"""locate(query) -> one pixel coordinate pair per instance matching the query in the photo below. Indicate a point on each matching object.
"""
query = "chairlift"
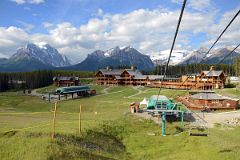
(200, 131)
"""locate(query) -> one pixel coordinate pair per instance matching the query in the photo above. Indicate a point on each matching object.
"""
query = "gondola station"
(80, 91)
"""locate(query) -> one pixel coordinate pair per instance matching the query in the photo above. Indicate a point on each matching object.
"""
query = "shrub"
(230, 85)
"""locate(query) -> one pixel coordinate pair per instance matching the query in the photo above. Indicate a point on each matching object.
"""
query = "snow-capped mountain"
(114, 57)
(222, 55)
(34, 57)
(44, 53)
(177, 57)
(195, 56)
(213, 57)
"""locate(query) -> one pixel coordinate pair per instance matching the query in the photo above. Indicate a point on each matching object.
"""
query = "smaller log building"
(209, 100)
(66, 81)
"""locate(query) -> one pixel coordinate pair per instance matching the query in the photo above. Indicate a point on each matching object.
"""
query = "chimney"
(107, 68)
(132, 67)
(211, 68)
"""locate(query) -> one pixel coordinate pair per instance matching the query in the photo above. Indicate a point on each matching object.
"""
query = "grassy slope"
(218, 145)
(221, 144)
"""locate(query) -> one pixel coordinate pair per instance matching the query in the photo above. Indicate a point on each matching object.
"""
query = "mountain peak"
(203, 49)
(30, 45)
(128, 48)
(43, 53)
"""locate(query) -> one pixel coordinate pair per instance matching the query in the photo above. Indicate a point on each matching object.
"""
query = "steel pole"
(163, 124)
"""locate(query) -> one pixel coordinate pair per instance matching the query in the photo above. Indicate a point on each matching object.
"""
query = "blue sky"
(78, 27)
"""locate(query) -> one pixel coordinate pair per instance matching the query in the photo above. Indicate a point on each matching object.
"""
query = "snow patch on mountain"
(176, 57)
(113, 51)
(108, 53)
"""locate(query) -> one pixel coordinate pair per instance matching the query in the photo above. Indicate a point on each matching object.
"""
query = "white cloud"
(98, 13)
(149, 31)
(11, 38)
(232, 34)
(198, 5)
(28, 1)
(26, 26)
(47, 25)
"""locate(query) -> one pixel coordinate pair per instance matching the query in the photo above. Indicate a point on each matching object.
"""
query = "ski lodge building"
(205, 80)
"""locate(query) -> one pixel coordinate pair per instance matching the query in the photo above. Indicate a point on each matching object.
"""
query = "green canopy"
(160, 103)
(72, 89)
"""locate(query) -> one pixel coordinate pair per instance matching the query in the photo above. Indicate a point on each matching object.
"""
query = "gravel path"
(213, 118)
(105, 90)
(34, 93)
(145, 115)
(137, 89)
(222, 117)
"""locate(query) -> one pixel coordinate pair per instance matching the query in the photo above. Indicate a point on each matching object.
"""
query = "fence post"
(49, 97)
(95, 121)
(80, 119)
(54, 120)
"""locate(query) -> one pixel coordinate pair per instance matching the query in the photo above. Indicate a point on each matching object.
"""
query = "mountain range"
(35, 57)
(126, 56)
(183, 57)
(215, 56)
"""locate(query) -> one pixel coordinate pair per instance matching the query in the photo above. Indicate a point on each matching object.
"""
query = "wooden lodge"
(123, 77)
(66, 81)
(205, 80)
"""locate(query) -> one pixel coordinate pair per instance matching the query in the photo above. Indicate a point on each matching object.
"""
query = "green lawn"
(234, 92)
(109, 131)
(45, 90)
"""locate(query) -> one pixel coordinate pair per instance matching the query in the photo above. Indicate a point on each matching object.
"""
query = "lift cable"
(173, 43)
(231, 53)
(210, 48)
(235, 16)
